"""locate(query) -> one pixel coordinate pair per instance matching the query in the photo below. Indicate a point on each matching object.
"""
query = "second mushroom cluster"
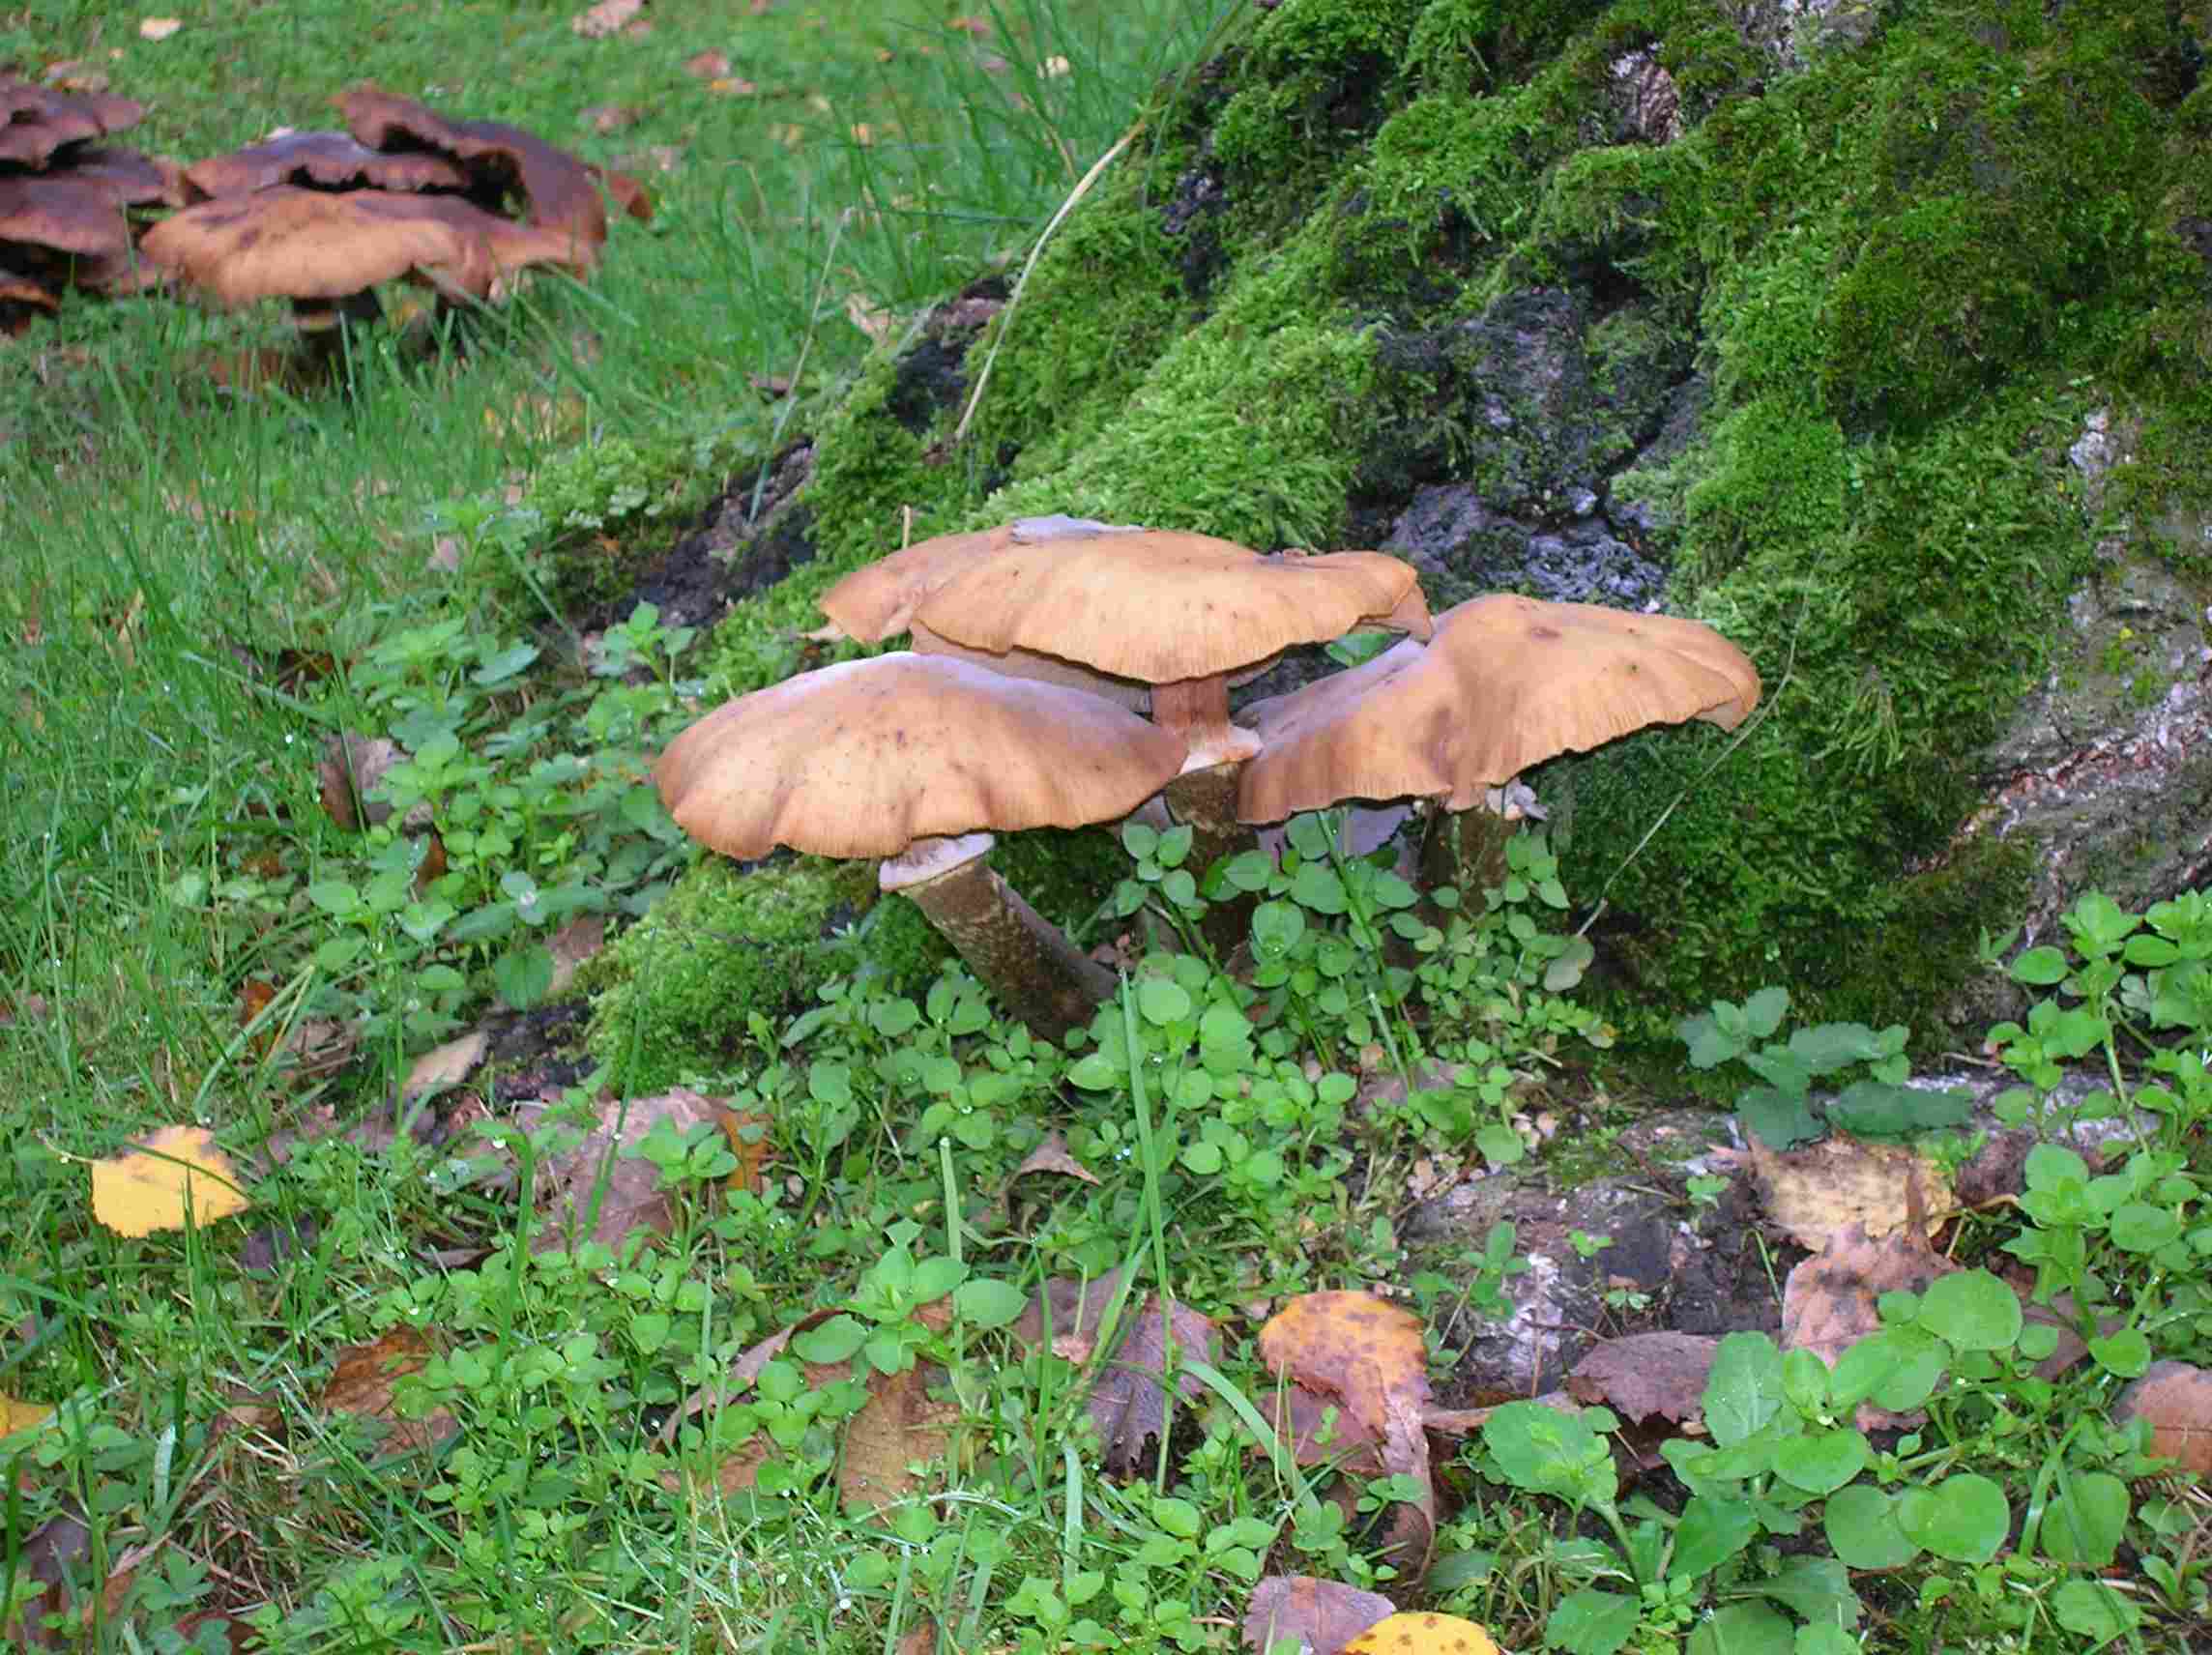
(1037, 648)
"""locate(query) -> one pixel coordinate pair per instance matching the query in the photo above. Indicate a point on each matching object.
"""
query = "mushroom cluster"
(404, 193)
(66, 196)
(1035, 645)
(320, 219)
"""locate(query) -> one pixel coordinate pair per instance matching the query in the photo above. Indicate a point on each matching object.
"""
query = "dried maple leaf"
(1646, 1374)
(166, 1176)
(1320, 1614)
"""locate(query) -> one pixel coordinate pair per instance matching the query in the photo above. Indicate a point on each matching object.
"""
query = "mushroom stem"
(1204, 801)
(1023, 958)
(1197, 708)
(1467, 848)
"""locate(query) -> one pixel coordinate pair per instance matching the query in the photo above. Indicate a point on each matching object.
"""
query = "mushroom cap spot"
(1505, 683)
(879, 599)
(1158, 605)
(288, 242)
(63, 213)
(866, 756)
(329, 159)
(560, 192)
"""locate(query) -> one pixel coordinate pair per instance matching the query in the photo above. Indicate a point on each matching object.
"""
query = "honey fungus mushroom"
(559, 192)
(1503, 683)
(918, 760)
(1181, 613)
(326, 250)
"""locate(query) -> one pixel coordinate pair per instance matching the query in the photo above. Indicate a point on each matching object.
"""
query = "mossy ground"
(1905, 267)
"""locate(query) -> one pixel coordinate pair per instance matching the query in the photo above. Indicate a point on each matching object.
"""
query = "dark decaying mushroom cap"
(1504, 683)
(863, 758)
(61, 214)
(310, 244)
(328, 160)
(36, 121)
(21, 299)
(561, 192)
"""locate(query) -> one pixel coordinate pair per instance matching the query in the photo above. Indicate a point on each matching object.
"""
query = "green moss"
(1904, 273)
(1104, 299)
(869, 471)
(1898, 614)
(1247, 426)
(675, 991)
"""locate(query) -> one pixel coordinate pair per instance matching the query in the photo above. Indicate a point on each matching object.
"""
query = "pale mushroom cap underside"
(1162, 606)
(1508, 682)
(866, 756)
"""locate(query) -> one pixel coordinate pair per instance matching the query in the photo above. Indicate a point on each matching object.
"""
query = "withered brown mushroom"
(917, 759)
(1503, 683)
(325, 251)
(559, 192)
(37, 121)
(319, 161)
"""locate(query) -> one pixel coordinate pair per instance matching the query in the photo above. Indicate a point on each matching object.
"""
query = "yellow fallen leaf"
(1422, 1635)
(158, 28)
(17, 1416)
(150, 1187)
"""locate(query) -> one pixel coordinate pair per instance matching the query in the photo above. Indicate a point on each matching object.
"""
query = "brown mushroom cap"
(330, 161)
(288, 242)
(126, 177)
(62, 214)
(560, 192)
(1161, 606)
(36, 121)
(20, 298)
(1504, 683)
(863, 758)
(880, 600)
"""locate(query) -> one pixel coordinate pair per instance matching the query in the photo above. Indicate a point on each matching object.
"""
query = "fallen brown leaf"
(1126, 1399)
(1646, 1374)
(443, 1066)
(600, 1188)
(2177, 1398)
(607, 118)
(361, 1387)
(706, 64)
(1323, 1616)
(1370, 1356)
(897, 1427)
(1052, 1156)
(1814, 1192)
(1829, 1300)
